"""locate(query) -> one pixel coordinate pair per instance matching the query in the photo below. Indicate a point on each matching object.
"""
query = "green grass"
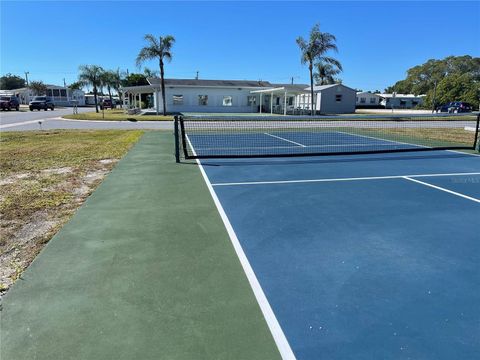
(116, 115)
(45, 176)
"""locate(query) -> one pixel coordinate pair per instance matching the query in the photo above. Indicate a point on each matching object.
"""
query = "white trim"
(281, 138)
(272, 322)
(442, 189)
(341, 179)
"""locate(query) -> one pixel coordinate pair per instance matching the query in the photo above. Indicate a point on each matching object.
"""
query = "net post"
(177, 146)
(476, 143)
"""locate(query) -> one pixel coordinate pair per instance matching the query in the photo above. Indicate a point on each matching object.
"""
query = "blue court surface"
(359, 257)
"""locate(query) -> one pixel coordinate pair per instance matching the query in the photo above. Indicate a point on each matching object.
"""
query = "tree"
(11, 82)
(315, 49)
(110, 79)
(149, 73)
(135, 80)
(158, 49)
(445, 74)
(325, 73)
(38, 88)
(77, 85)
(91, 75)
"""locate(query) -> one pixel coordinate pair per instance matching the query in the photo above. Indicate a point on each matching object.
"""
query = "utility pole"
(434, 96)
(64, 83)
(26, 77)
(196, 77)
(292, 80)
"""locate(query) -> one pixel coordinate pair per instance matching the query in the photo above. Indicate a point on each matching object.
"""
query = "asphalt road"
(29, 120)
(14, 117)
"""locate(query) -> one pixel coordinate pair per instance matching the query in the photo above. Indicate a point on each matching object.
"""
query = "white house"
(61, 96)
(240, 96)
(401, 101)
(366, 99)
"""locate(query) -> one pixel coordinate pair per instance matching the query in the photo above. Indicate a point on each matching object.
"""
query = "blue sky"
(377, 40)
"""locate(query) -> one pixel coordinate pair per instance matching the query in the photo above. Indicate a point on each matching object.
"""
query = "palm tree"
(91, 75)
(325, 74)
(110, 79)
(157, 49)
(315, 49)
(149, 72)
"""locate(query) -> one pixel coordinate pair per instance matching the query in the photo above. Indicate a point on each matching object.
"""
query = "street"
(21, 120)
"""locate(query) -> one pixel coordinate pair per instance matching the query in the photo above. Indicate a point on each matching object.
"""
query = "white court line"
(391, 141)
(340, 179)
(272, 322)
(281, 138)
(442, 189)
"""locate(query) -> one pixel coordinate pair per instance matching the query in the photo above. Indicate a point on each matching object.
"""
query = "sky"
(378, 41)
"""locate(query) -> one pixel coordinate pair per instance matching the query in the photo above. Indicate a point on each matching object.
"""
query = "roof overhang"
(278, 90)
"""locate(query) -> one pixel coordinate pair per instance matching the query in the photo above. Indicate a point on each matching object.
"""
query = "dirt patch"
(23, 238)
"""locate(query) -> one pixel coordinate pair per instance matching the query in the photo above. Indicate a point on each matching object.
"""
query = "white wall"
(369, 99)
(215, 99)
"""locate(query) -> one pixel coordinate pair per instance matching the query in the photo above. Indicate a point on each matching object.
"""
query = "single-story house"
(239, 96)
(366, 99)
(61, 96)
(401, 101)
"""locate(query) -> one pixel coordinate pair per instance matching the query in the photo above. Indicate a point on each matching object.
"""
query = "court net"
(204, 137)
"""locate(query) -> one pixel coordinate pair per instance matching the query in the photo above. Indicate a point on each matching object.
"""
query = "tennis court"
(365, 256)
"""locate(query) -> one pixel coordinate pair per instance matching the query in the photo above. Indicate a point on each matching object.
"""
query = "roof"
(318, 88)
(368, 93)
(411, 96)
(294, 87)
(154, 81)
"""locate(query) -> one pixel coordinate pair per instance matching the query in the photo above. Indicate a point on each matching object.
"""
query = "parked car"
(9, 103)
(455, 107)
(41, 102)
(105, 104)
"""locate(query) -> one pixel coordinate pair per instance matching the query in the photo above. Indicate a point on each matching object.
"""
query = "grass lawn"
(117, 115)
(44, 177)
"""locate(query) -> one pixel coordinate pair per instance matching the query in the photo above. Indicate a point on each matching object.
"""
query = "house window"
(49, 92)
(177, 99)
(362, 100)
(203, 100)
(372, 100)
(63, 92)
(227, 101)
(338, 97)
(56, 92)
(290, 100)
(252, 100)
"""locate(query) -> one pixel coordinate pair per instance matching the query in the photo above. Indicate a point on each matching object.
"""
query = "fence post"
(177, 147)
(477, 142)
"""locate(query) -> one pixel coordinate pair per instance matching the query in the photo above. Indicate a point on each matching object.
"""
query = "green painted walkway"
(144, 270)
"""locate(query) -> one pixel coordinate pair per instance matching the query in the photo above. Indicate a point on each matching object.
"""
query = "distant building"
(239, 96)
(401, 101)
(61, 96)
(366, 99)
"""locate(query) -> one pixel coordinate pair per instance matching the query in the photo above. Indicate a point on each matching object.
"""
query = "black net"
(282, 136)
